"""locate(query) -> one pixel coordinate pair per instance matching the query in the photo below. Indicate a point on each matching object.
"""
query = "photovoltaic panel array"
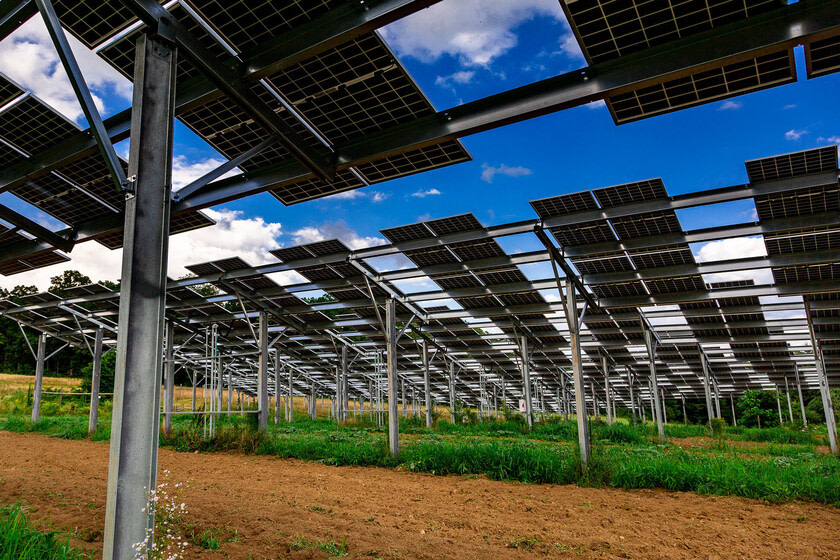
(610, 29)
(822, 57)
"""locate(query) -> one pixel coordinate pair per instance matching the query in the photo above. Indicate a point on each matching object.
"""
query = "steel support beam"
(40, 358)
(96, 374)
(732, 404)
(779, 405)
(278, 387)
(526, 381)
(707, 386)
(573, 320)
(632, 399)
(262, 374)
(650, 344)
(169, 376)
(799, 392)
(825, 391)
(290, 414)
(136, 413)
(605, 368)
(427, 385)
(452, 417)
(787, 395)
(393, 380)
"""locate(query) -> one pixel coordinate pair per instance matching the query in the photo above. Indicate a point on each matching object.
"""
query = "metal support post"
(685, 416)
(779, 405)
(632, 399)
(168, 378)
(573, 320)
(96, 375)
(262, 376)
(664, 408)
(136, 414)
(452, 391)
(427, 384)
(194, 389)
(799, 392)
(40, 358)
(526, 382)
(313, 402)
(787, 396)
(732, 404)
(605, 367)
(650, 342)
(277, 387)
(717, 399)
(391, 351)
(345, 400)
(290, 413)
(707, 388)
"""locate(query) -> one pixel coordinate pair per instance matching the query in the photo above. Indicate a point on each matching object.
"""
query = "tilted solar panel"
(32, 126)
(178, 223)
(794, 164)
(8, 90)
(629, 193)
(414, 161)
(799, 202)
(801, 241)
(294, 192)
(822, 57)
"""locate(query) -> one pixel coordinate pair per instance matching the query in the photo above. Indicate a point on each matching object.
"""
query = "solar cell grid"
(792, 165)
(90, 174)
(354, 89)
(564, 204)
(633, 288)
(432, 256)
(815, 239)
(800, 202)
(317, 273)
(656, 257)
(475, 250)
(478, 302)
(37, 260)
(808, 273)
(8, 155)
(33, 126)
(294, 192)
(410, 232)
(503, 276)
(414, 161)
(177, 224)
(614, 262)
(8, 90)
(93, 21)
(711, 85)
(522, 298)
(643, 225)
(60, 199)
(453, 282)
(288, 254)
(583, 233)
(823, 57)
(630, 193)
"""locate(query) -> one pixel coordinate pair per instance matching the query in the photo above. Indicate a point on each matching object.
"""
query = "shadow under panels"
(610, 29)
(621, 228)
(799, 203)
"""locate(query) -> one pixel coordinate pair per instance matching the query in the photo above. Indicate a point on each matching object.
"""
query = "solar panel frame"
(794, 164)
(822, 57)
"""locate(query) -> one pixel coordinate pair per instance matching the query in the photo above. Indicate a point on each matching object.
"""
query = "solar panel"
(600, 264)
(32, 126)
(676, 284)
(656, 257)
(608, 29)
(328, 247)
(801, 241)
(90, 174)
(288, 254)
(822, 57)
(8, 90)
(632, 288)
(643, 225)
(475, 250)
(31, 262)
(564, 204)
(794, 164)
(177, 224)
(414, 161)
(629, 193)
(410, 232)
(8, 155)
(800, 202)
(93, 21)
(60, 199)
(807, 273)
(295, 192)
(729, 80)
(456, 281)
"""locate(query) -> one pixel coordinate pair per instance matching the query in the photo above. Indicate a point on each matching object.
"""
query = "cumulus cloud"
(794, 134)
(184, 171)
(335, 230)
(474, 31)
(461, 77)
(830, 139)
(488, 172)
(730, 105)
(30, 59)
(735, 248)
(233, 235)
(423, 194)
(358, 194)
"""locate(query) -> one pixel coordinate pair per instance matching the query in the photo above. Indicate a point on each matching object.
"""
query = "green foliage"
(208, 540)
(20, 541)
(758, 408)
(718, 427)
(106, 374)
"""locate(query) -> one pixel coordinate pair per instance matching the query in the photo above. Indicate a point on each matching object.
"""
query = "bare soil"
(265, 502)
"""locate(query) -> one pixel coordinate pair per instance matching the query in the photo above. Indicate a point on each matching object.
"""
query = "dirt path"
(391, 514)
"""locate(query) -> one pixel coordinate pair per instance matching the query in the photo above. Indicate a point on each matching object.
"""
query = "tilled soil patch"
(260, 504)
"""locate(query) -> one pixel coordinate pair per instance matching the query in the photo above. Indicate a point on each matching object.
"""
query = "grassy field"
(19, 540)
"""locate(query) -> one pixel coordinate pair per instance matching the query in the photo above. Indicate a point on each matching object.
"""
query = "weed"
(20, 541)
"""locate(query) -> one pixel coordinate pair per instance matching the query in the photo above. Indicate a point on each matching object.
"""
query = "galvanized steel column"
(605, 367)
(799, 391)
(651, 349)
(427, 384)
(577, 368)
(95, 378)
(40, 358)
(526, 382)
(262, 378)
(707, 388)
(452, 391)
(136, 414)
(277, 387)
(393, 402)
(290, 416)
(168, 378)
(787, 395)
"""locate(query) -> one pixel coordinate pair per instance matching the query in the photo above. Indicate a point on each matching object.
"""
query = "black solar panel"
(475, 250)
(294, 192)
(328, 247)
(823, 57)
(31, 262)
(800, 202)
(93, 21)
(410, 232)
(677, 284)
(90, 174)
(630, 193)
(655, 257)
(794, 164)
(801, 241)
(600, 264)
(807, 273)
(564, 204)
(501, 276)
(642, 225)
(177, 224)
(288, 254)
(584, 233)
(33, 126)
(414, 161)
(8, 90)
(727, 81)
(8, 155)
(456, 281)
(633, 288)
(609, 29)
(60, 199)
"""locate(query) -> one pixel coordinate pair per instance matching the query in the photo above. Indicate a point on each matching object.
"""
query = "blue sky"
(458, 52)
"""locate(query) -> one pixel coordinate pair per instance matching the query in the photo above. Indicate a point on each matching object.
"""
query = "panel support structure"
(277, 387)
(393, 382)
(732, 404)
(632, 398)
(136, 414)
(650, 343)
(427, 385)
(40, 358)
(605, 367)
(95, 377)
(526, 382)
(452, 391)
(168, 378)
(799, 392)
(573, 320)
(706, 387)
(290, 413)
(787, 395)
(262, 376)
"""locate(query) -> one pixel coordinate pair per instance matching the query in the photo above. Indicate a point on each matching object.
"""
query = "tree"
(106, 374)
(758, 408)
(68, 279)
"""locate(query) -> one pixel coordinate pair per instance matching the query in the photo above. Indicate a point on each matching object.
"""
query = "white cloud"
(473, 31)
(599, 104)
(358, 194)
(735, 248)
(789, 107)
(335, 230)
(830, 139)
(423, 194)
(233, 235)
(461, 77)
(794, 134)
(29, 57)
(569, 45)
(730, 105)
(488, 172)
(185, 172)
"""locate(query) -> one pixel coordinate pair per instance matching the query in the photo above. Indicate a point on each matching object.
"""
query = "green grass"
(624, 455)
(20, 541)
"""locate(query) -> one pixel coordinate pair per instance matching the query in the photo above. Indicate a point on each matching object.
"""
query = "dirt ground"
(264, 503)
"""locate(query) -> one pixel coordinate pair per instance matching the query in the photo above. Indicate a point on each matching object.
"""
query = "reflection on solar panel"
(178, 223)
(792, 165)
(8, 90)
(608, 29)
(729, 80)
(32, 126)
